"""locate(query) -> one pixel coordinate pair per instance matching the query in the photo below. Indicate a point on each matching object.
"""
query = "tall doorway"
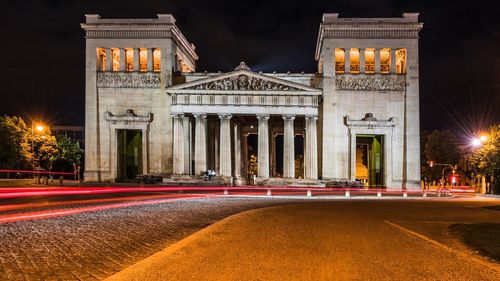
(370, 160)
(129, 154)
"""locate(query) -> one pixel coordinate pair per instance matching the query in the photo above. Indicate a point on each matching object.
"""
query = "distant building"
(73, 132)
(149, 112)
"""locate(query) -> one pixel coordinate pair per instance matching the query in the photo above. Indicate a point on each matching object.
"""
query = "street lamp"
(39, 128)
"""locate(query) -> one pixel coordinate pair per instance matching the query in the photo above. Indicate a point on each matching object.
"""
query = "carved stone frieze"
(367, 82)
(128, 80)
(128, 117)
(243, 82)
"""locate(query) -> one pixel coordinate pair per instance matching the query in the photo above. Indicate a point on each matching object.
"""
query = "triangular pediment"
(242, 80)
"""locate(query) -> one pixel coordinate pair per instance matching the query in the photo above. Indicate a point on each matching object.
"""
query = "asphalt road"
(347, 240)
(92, 237)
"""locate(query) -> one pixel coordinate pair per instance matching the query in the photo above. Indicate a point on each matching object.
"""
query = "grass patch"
(482, 237)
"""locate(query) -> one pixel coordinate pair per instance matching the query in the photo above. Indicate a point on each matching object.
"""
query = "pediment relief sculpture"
(243, 82)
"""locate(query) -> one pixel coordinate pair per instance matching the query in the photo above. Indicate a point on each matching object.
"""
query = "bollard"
(45, 180)
(226, 192)
(269, 192)
(424, 194)
(309, 193)
(37, 179)
(80, 182)
(61, 181)
(405, 194)
(379, 194)
(347, 193)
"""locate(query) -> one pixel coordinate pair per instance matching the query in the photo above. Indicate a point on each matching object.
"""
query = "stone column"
(137, 66)
(288, 147)
(377, 60)
(150, 59)
(200, 153)
(263, 148)
(347, 60)
(123, 65)
(272, 149)
(225, 145)
(361, 60)
(244, 155)
(237, 151)
(109, 60)
(392, 69)
(187, 144)
(311, 161)
(178, 165)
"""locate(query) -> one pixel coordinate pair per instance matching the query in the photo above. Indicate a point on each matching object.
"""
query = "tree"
(439, 147)
(69, 151)
(15, 149)
(486, 159)
(45, 149)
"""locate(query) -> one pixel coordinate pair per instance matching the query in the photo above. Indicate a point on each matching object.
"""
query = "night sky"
(42, 49)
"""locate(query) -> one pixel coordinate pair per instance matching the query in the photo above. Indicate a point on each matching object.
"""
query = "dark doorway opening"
(370, 160)
(129, 154)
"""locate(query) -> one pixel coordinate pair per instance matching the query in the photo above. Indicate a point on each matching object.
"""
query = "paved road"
(347, 240)
(93, 245)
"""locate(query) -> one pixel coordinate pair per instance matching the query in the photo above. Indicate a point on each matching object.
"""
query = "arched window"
(339, 60)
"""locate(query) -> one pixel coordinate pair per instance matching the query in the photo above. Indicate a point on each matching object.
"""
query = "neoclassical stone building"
(149, 112)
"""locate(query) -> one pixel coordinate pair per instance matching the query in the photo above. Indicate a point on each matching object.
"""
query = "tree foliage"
(15, 150)
(22, 146)
(440, 147)
(486, 159)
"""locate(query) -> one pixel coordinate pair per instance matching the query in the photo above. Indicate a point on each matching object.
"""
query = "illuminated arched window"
(370, 60)
(101, 59)
(385, 60)
(129, 59)
(115, 55)
(354, 60)
(339, 60)
(401, 61)
(156, 60)
(143, 59)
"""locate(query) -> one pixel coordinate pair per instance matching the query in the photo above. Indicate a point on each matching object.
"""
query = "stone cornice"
(407, 27)
(128, 117)
(370, 122)
(162, 28)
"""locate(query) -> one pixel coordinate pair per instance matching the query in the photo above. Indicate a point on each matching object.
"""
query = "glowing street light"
(40, 128)
(476, 142)
(483, 138)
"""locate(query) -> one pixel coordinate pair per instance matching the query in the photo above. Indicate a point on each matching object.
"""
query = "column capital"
(311, 117)
(264, 117)
(289, 117)
(225, 116)
(177, 115)
(200, 115)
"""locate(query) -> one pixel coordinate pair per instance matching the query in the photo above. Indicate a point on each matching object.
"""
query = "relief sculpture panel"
(128, 80)
(243, 82)
(374, 82)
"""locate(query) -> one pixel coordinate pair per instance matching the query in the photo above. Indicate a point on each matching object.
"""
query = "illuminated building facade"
(357, 118)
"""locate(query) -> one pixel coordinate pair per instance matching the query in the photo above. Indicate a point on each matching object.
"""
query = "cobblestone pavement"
(94, 245)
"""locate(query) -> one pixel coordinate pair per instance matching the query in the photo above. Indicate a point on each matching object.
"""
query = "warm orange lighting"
(370, 60)
(40, 128)
(115, 55)
(339, 60)
(129, 59)
(101, 59)
(143, 59)
(385, 60)
(483, 138)
(156, 60)
(401, 61)
(354, 60)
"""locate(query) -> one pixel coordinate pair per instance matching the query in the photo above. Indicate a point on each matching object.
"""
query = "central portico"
(213, 117)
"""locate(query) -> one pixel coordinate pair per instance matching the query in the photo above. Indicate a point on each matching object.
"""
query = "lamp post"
(40, 128)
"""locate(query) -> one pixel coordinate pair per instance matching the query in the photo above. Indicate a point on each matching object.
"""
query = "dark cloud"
(42, 65)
